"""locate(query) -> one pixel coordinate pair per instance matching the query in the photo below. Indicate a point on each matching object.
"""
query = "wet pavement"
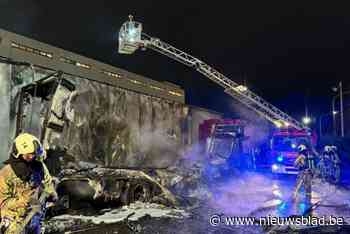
(254, 192)
(262, 195)
(250, 194)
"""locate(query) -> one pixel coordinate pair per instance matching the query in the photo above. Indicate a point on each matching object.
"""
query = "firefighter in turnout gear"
(22, 180)
(305, 163)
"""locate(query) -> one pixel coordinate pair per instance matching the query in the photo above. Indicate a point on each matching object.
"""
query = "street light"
(306, 120)
(335, 89)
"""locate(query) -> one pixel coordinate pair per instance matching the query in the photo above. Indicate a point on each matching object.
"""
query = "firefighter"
(330, 164)
(23, 178)
(305, 164)
(334, 154)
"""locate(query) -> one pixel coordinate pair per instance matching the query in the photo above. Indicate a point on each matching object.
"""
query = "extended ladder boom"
(129, 42)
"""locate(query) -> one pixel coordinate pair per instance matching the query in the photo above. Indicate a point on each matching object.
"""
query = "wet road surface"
(250, 194)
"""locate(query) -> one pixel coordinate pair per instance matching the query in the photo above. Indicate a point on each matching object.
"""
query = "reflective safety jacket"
(19, 182)
(305, 161)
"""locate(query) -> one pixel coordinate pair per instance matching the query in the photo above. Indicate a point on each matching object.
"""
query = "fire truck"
(283, 148)
(132, 38)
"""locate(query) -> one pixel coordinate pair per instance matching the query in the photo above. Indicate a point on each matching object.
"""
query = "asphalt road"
(247, 195)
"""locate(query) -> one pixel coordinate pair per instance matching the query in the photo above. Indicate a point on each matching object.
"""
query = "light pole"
(323, 115)
(341, 108)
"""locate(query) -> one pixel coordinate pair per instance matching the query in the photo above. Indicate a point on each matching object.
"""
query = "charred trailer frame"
(47, 59)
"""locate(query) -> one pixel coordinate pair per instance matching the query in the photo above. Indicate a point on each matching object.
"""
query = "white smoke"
(160, 146)
(156, 135)
(245, 194)
(198, 116)
(257, 129)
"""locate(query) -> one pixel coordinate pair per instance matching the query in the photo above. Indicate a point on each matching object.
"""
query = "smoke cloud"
(257, 129)
(161, 148)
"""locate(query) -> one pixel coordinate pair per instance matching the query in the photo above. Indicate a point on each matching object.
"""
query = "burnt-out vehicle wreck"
(104, 129)
(80, 184)
(113, 139)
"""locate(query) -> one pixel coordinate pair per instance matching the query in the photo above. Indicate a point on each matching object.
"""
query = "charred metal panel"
(103, 124)
(5, 79)
(110, 126)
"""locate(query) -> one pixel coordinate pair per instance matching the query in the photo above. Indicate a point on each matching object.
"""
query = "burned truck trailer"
(224, 140)
(91, 117)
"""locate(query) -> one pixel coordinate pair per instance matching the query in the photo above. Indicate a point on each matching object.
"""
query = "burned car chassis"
(105, 187)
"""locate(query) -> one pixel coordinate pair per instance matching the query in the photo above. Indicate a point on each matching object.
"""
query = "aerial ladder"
(132, 38)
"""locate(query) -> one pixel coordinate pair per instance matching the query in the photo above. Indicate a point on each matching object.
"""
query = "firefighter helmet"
(27, 144)
(334, 148)
(327, 148)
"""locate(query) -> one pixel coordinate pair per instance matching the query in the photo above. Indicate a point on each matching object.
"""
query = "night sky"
(287, 52)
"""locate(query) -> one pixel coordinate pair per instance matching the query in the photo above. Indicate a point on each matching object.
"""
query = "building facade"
(119, 118)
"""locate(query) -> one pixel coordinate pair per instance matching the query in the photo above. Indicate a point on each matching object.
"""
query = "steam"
(198, 116)
(257, 129)
(159, 147)
(204, 115)
(195, 153)
(244, 194)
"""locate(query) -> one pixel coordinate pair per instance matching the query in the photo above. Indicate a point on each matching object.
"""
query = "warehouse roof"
(20, 48)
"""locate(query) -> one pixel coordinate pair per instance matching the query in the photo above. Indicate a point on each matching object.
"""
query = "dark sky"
(284, 49)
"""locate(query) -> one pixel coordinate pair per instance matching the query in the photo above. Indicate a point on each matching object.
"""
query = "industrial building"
(148, 104)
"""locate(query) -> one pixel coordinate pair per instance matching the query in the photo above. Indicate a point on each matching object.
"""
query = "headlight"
(274, 167)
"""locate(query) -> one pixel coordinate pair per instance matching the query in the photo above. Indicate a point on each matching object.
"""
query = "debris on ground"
(138, 210)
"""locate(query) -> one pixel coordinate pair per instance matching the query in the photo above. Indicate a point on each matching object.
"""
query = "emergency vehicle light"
(280, 158)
